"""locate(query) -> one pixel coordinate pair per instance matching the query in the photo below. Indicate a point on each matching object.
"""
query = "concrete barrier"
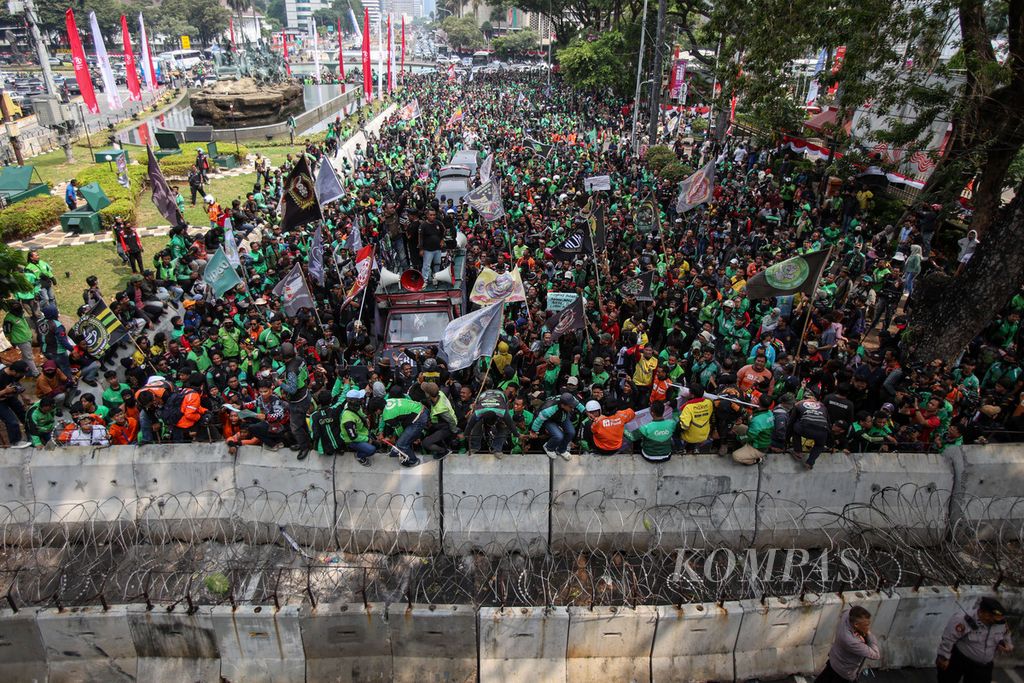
(174, 645)
(799, 508)
(88, 644)
(777, 634)
(185, 493)
(22, 654)
(907, 494)
(523, 643)
(600, 502)
(277, 492)
(387, 508)
(991, 504)
(497, 506)
(695, 642)
(17, 499)
(259, 644)
(700, 502)
(435, 643)
(610, 643)
(346, 644)
(913, 638)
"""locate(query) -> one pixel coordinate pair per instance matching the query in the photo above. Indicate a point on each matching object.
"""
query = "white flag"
(328, 186)
(230, 245)
(147, 70)
(315, 39)
(485, 168)
(473, 335)
(109, 84)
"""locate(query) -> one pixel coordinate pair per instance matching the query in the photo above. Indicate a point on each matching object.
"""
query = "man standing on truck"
(431, 236)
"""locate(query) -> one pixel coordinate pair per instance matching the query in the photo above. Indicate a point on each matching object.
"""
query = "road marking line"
(1013, 676)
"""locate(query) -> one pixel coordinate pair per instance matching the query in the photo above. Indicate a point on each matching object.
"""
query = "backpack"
(170, 411)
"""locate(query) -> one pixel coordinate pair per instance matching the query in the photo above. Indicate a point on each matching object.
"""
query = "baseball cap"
(356, 394)
(572, 381)
(568, 399)
(592, 406)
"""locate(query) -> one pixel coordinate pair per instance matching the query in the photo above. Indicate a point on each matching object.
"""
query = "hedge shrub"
(178, 165)
(675, 172)
(122, 199)
(26, 218)
(658, 157)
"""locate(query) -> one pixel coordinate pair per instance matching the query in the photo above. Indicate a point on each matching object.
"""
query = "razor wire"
(259, 546)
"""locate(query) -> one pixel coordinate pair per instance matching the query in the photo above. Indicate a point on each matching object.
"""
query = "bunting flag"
(697, 189)
(328, 185)
(163, 198)
(148, 73)
(486, 199)
(367, 76)
(577, 243)
(812, 90)
(219, 274)
(364, 265)
(491, 287)
(410, 111)
(455, 117)
(103, 61)
(299, 200)
(230, 245)
(569, 319)
(134, 91)
(638, 287)
(94, 329)
(485, 168)
(797, 274)
(293, 291)
(316, 257)
(81, 66)
(471, 336)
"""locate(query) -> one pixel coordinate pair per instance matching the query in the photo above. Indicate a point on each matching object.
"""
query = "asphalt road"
(913, 676)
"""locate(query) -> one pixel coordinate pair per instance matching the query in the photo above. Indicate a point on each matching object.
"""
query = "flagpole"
(308, 289)
(810, 308)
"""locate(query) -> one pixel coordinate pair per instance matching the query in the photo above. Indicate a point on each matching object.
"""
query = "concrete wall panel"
(777, 635)
(695, 642)
(496, 505)
(22, 654)
(701, 502)
(175, 645)
(346, 644)
(907, 492)
(992, 497)
(88, 645)
(917, 626)
(523, 643)
(262, 646)
(610, 644)
(436, 643)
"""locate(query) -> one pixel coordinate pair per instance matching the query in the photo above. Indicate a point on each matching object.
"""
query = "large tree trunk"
(950, 311)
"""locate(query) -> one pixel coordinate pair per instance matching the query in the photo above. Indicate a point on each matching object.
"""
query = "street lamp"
(109, 159)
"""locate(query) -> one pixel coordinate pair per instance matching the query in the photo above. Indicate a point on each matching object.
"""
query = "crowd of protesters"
(700, 368)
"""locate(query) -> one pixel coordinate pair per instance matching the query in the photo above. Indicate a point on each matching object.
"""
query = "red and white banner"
(148, 72)
(819, 152)
(391, 56)
(364, 265)
(134, 91)
(367, 76)
(837, 64)
(341, 56)
(284, 48)
(81, 67)
(231, 30)
(403, 44)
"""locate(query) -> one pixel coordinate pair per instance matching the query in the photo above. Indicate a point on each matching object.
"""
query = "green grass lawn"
(99, 259)
(223, 189)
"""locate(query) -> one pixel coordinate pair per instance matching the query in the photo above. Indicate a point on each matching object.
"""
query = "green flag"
(797, 274)
(219, 274)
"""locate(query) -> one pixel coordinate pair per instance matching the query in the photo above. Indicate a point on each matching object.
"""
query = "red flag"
(81, 68)
(403, 45)
(134, 91)
(284, 41)
(341, 56)
(367, 79)
(389, 53)
(364, 264)
(231, 30)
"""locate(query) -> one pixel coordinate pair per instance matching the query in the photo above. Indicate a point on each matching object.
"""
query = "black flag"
(299, 204)
(163, 198)
(576, 244)
(638, 287)
(797, 274)
(597, 226)
(569, 319)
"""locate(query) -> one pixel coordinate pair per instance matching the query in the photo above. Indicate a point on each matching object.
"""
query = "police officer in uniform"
(490, 413)
(970, 643)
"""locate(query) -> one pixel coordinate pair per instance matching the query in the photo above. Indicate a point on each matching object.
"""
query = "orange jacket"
(122, 436)
(191, 409)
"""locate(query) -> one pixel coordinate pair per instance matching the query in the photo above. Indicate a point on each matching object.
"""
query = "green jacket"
(353, 427)
(759, 433)
(16, 329)
(655, 438)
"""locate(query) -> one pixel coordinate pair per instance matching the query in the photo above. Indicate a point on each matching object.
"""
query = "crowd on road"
(691, 364)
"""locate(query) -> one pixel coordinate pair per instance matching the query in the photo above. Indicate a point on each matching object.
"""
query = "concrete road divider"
(88, 644)
(610, 643)
(174, 645)
(435, 643)
(903, 493)
(387, 508)
(777, 634)
(259, 644)
(523, 643)
(695, 642)
(702, 503)
(22, 654)
(917, 626)
(496, 506)
(346, 644)
(990, 505)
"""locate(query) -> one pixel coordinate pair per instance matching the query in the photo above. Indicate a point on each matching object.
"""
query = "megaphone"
(412, 280)
(388, 277)
(461, 240)
(443, 277)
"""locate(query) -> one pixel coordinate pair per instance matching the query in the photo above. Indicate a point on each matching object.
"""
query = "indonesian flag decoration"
(451, 73)
(697, 189)
(364, 265)
(391, 57)
(341, 56)
(148, 72)
(81, 67)
(134, 91)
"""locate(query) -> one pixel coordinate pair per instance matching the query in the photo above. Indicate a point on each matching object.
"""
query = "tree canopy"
(463, 33)
(517, 43)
